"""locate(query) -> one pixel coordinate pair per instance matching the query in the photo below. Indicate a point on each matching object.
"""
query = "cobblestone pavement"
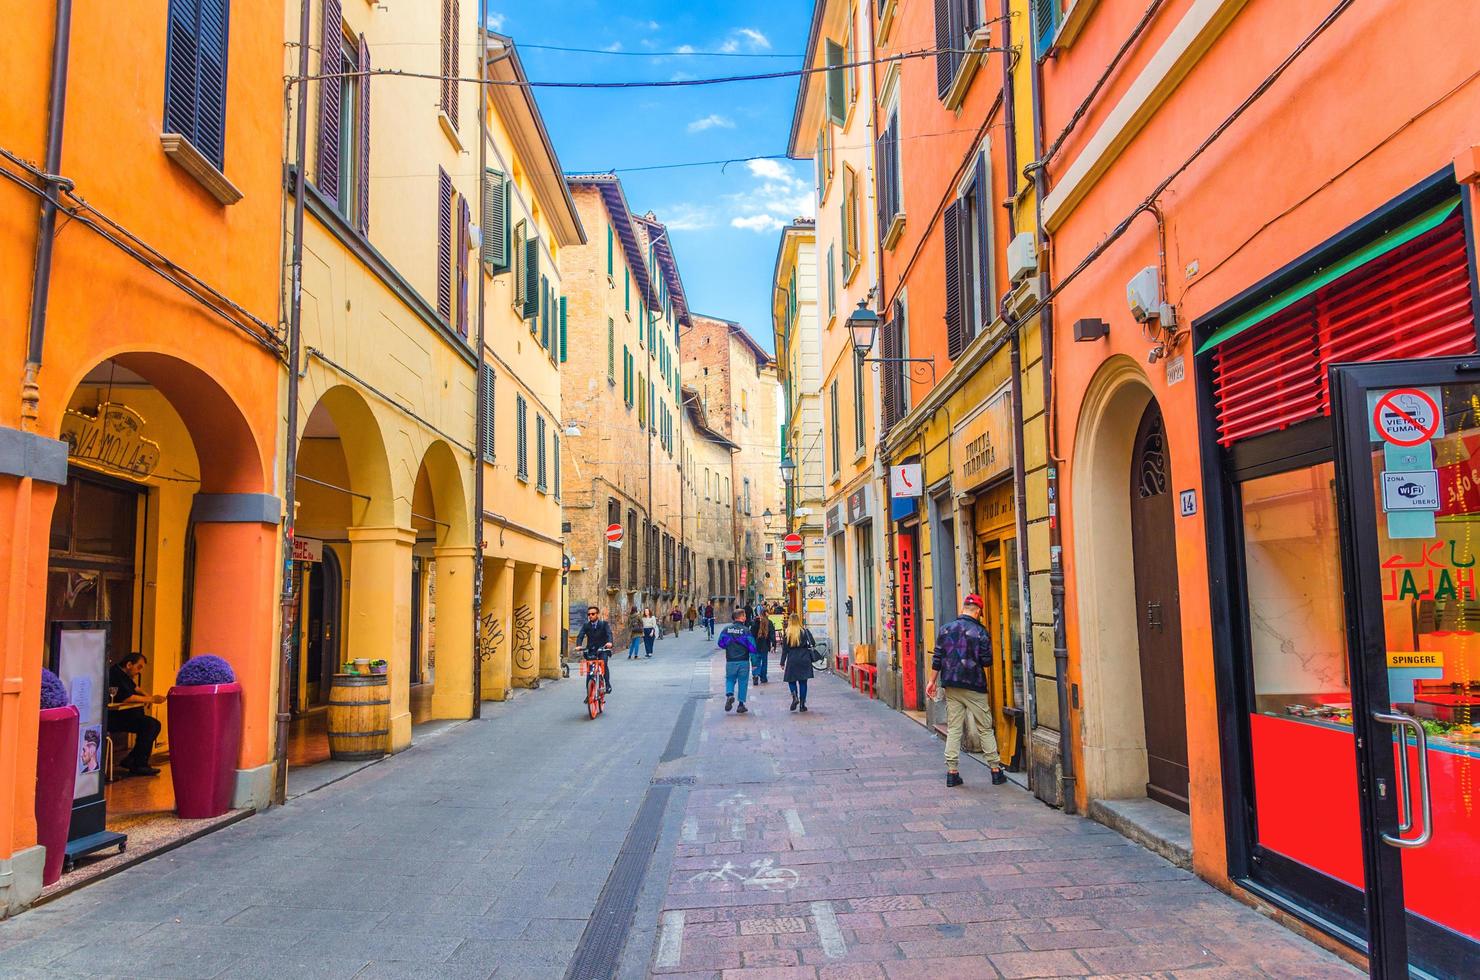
(669, 838)
(827, 846)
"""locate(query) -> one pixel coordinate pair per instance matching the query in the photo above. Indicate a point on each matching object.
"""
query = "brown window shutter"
(951, 228)
(331, 63)
(444, 246)
(945, 62)
(365, 137)
(464, 219)
(449, 59)
(888, 378)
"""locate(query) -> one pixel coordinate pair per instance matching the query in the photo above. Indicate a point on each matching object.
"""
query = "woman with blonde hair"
(797, 647)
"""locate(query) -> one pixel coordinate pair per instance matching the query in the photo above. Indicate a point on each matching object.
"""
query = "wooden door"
(1158, 614)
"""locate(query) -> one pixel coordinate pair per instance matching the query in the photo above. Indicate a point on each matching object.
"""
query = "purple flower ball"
(53, 691)
(204, 670)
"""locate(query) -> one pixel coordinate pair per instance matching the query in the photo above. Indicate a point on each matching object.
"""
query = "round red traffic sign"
(1406, 417)
(614, 534)
(792, 543)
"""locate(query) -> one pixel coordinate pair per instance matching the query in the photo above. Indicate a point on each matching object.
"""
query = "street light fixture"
(788, 469)
(768, 518)
(863, 327)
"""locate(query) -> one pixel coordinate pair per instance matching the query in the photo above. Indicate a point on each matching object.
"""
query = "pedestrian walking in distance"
(676, 617)
(649, 630)
(634, 626)
(709, 618)
(693, 615)
(797, 648)
(963, 653)
(765, 637)
(739, 647)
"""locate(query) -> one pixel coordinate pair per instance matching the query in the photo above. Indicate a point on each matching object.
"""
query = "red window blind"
(1411, 302)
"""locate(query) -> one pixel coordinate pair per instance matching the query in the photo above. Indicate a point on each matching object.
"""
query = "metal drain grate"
(600, 948)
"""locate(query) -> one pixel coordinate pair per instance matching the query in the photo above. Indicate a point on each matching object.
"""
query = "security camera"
(1157, 353)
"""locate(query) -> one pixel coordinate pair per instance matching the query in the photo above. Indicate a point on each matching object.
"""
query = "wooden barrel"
(359, 716)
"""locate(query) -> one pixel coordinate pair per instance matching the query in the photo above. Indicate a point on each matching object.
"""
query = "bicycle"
(593, 665)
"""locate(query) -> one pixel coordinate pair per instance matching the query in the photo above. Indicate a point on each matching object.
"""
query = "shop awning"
(1396, 238)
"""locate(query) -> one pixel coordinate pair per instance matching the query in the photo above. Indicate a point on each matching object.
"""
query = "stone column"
(497, 629)
(452, 696)
(551, 621)
(380, 613)
(525, 638)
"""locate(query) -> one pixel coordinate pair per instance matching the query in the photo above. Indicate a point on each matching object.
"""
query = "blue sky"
(724, 223)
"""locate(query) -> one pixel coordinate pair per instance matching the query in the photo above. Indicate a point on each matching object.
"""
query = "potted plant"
(56, 772)
(377, 667)
(205, 715)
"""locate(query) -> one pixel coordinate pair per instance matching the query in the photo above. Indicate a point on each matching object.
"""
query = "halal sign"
(1406, 417)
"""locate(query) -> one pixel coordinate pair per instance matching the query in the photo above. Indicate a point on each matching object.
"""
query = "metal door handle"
(1405, 824)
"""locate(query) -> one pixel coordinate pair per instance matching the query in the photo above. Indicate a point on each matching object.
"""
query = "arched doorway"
(1158, 613)
(439, 653)
(164, 541)
(1121, 549)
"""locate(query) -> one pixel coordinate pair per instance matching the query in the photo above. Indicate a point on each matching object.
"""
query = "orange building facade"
(139, 424)
(1261, 553)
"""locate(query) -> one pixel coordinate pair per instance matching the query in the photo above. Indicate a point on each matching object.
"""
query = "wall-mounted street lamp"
(768, 518)
(863, 326)
(788, 469)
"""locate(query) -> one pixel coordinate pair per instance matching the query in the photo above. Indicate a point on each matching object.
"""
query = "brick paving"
(826, 846)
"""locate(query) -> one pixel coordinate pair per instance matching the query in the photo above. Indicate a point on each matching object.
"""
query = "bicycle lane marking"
(833, 944)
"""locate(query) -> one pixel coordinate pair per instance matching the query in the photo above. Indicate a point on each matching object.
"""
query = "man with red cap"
(963, 653)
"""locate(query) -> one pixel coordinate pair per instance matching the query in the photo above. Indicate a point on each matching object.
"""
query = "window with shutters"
(487, 396)
(344, 122)
(825, 160)
(611, 352)
(852, 223)
(627, 292)
(532, 280)
(955, 22)
(858, 413)
(444, 246)
(642, 392)
(833, 424)
(450, 63)
(516, 257)
(610, 253)
(544, 321)
(495, 222)
(521, 438)
(555, 450)
(613, 556)
(540, 483)
(968, 231)
(850, 50)
(633, 546)
(837, 84)
(563, 351)
(1047, 16)
(464, 245)
(832, 286)
(195, 75)
(892, 384)
(890, 189)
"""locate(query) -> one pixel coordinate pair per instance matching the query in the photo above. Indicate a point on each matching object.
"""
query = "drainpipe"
(290, 457)
(1055, 534)
(47, 225)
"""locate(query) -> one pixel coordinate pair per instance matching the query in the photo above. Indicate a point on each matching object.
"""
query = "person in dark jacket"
(765, 637)
(126, 675)
(797, 646)
(739, 646)
(596, 637)
(963, 652)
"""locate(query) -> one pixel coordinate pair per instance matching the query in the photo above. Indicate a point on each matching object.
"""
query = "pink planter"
(56, 776)
(205, 738)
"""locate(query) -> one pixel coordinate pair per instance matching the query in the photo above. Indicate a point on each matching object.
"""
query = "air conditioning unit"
(1143, 294)
(475, 237)
(1023, 299)
(1022, 257)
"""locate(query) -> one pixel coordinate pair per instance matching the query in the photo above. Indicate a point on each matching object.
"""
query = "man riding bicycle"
(595, 642)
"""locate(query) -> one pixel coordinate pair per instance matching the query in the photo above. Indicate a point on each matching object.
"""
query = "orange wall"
(934, 142)
(105, 303)
(1328, 144)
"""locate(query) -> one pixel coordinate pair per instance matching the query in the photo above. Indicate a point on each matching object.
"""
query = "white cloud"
(614, 46)
(496, 21)
(687, 217)
(758, 223)
(768, 169)
(711, 121)
(730, 46)
(755, 37)
(685, 49)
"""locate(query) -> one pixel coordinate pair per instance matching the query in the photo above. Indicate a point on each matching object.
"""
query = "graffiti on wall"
(490, 636)
(524, 638)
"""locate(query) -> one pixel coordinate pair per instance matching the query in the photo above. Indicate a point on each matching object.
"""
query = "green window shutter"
(531, 278)
(495, 220)
(611, 349)
(832, 284)
(486, 390)
(610, 252)
(837, 87)
(627, 290)
(562, 330)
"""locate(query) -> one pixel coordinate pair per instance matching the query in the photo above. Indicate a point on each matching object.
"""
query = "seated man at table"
(125, 676)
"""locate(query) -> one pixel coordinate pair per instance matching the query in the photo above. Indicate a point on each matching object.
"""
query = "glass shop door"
(1408, 490)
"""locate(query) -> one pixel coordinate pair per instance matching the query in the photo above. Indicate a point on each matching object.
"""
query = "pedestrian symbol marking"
(1407, 417)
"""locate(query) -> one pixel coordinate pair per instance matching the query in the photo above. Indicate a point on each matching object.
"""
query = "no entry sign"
(614, 535)
(793, 544)
(1407, 417)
